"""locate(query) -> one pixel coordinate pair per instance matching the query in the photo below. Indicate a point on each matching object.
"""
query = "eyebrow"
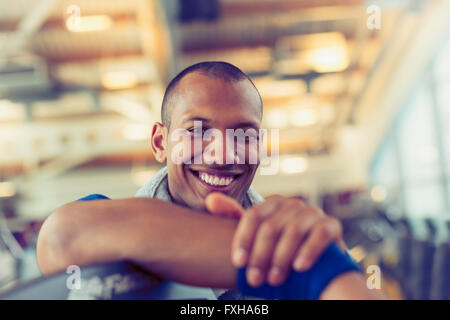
(244, 124)
(197, 119)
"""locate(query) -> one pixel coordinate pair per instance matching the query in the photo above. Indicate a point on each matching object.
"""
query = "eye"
(247, 135)
(197, 130)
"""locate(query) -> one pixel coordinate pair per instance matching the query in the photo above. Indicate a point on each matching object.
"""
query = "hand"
(276, 235)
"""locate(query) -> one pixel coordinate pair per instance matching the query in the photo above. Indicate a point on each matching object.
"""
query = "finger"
(274, 197)
(219, 204)
(266, 240)
(323, 233)
(246, 230)
(341, 244)
(288, 245)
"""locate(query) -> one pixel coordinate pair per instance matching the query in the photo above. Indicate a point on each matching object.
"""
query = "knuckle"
(293, 229)
(282, 261)
(326, 230)
(242, 240)
(257, 263)
(269, 229)
(298, 227)
(282, 269)
(335, 221)
(275, 197)
(278, 261)
(292, 226)
(294, 203)
(307, 254)
(314, 212)
(254, 214)
(259, 260)
(336, 225)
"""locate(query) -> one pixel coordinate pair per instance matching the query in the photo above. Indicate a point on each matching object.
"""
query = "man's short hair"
(215, 69)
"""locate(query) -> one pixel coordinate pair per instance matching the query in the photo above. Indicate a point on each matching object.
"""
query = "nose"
(221, 150)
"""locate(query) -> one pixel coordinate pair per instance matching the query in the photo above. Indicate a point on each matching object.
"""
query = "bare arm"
(172, 242)
(350, 286)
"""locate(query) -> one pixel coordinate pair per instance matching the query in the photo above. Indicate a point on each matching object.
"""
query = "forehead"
(198, 95)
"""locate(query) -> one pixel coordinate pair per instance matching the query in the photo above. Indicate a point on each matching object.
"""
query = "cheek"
(176, 175)
(248, 151)
(253, 154)
(179, 151)
(197, 146)
(187, 150)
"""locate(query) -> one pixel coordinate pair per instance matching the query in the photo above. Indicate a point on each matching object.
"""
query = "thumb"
(221, 205)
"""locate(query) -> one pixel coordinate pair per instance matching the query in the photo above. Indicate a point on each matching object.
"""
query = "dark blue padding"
(119, 280)
(306, 285)
(94, 196)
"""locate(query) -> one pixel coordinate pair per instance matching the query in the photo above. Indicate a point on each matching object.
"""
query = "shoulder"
(253, 197)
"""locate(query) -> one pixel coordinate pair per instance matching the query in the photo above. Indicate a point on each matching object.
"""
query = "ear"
(159, 142)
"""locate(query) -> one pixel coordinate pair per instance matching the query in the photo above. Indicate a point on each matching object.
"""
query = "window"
(424, 199)
(415, 157)
(418, 150)
(443, 106)
(385, 170)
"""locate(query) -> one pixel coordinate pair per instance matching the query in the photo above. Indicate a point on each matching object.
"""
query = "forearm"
(170, 241)
(350, 286)
(185, 246)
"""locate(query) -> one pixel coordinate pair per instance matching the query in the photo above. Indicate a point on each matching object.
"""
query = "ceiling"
(83, 80)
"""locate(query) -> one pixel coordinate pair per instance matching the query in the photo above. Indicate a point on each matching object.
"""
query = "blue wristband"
(94, 196)
(307, 285)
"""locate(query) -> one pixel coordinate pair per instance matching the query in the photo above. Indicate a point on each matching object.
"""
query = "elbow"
(53, 248)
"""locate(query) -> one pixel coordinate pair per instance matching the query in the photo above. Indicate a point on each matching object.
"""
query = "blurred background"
(360, 91)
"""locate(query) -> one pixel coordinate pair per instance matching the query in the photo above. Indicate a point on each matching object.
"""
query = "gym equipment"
(112, 281)
(404, 250)
(422, 255)
(440, 287)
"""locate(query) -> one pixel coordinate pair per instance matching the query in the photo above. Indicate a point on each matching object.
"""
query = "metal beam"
(29, 25)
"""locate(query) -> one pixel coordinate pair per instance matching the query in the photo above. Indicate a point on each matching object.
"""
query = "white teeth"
(215, 180)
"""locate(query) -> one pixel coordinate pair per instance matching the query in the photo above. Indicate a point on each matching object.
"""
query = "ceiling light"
(319, 52)
(291, 165)
(327, 114)
(329, 84)
(273, 89)
(303, 117)
(136, 132)
(7, 189)
(128, 106)
(378, 193)
(12, 111)
(114, 80)
(88, 23)
(328, 59)
(277, 118)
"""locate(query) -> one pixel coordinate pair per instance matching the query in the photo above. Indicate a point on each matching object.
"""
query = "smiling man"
(185, 222)
(207, 96)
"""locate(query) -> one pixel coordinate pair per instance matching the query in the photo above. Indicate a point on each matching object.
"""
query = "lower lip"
(212, 188)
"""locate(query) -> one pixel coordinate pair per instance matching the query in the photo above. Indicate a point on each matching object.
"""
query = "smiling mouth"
(216, 180)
